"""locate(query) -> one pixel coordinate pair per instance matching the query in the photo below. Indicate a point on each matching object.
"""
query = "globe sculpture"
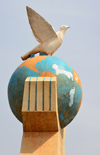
(68, 85)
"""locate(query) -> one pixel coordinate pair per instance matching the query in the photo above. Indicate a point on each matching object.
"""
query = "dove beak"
(68, 27)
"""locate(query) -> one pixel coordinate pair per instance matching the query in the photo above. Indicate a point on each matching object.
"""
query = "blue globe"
(68, 85)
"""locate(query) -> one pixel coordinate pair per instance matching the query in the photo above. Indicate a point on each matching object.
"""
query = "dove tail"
(34, 50)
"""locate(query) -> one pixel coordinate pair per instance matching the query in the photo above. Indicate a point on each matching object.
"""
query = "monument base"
(43, 143)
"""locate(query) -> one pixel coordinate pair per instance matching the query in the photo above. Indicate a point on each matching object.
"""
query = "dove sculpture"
(44, 33)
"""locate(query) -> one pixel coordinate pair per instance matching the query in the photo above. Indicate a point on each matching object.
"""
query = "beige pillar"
(42, 134)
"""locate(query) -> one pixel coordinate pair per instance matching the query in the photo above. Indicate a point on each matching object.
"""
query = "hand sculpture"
(44, 33)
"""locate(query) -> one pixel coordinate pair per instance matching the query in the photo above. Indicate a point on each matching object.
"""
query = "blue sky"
(80, 48)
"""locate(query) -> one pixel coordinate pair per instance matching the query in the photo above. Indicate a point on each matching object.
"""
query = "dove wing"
(42, 30)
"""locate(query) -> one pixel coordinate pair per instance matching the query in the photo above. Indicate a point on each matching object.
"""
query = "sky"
(80, 48)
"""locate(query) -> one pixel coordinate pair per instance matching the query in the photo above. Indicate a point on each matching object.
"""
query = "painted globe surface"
(68, 85)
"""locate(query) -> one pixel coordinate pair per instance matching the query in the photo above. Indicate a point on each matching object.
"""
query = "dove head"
(63, 28)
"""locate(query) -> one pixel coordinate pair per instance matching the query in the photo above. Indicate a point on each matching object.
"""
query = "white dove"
(44, 33)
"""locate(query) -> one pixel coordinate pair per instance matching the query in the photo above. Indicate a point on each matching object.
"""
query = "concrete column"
(42, 134)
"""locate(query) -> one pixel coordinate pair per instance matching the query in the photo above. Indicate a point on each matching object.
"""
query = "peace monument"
(44, 92)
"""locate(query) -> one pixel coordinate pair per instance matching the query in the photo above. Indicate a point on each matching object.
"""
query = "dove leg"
(50, 54)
